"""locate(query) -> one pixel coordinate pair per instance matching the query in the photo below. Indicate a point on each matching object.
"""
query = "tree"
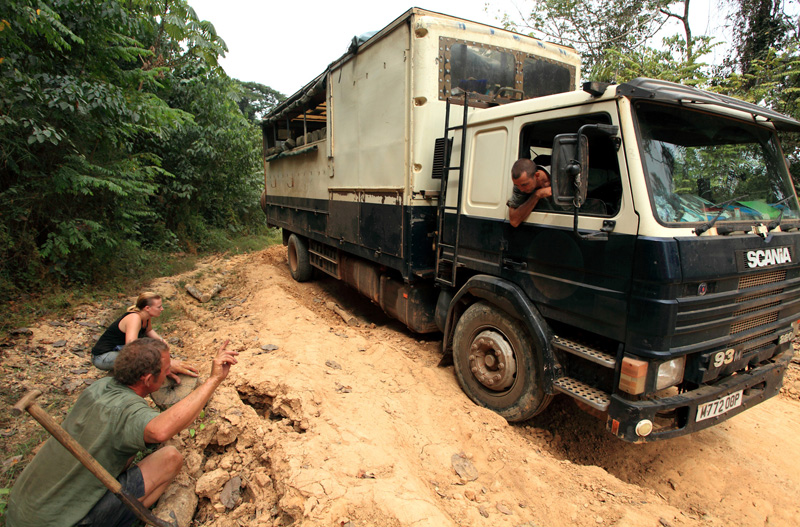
(766, 68)
(91, 93)
(71, 180)
(213, 161)
(759, 25)
(614, 37)
(593, 27)
(257, 100)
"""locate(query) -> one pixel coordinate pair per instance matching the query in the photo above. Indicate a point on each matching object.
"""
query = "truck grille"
(770, 277)
(753, 309)
(756, 280)
(744, 308)
(754, 322)
(750, 339)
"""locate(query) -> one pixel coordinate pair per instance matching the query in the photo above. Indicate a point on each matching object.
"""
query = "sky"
(285, 44)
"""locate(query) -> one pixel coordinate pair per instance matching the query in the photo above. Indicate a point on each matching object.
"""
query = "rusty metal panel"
(382, 228)
(343, 218)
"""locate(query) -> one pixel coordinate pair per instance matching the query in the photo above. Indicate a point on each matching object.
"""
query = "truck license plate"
(719, 406)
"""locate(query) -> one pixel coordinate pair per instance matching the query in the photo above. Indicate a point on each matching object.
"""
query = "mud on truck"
(659, 287)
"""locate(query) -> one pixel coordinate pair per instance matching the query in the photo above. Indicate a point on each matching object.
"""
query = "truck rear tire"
(299, 264)
(496, 364)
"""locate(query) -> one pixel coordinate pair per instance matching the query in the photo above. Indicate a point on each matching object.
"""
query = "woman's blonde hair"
(143, 301)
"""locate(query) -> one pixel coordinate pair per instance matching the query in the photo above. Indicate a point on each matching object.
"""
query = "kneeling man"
(113, 422)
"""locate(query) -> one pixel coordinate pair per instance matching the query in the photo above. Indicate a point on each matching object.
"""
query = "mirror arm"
(596, 236)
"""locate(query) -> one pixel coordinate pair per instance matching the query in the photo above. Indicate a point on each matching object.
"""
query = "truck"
(659, 286)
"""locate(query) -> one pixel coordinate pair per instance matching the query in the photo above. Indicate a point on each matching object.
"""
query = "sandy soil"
(326, 424)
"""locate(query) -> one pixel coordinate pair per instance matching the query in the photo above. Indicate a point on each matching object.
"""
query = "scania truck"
(659, 286)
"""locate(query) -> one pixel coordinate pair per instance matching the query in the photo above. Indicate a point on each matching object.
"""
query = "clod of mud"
(203, 297)
(464, 467)
(231, 493)
(276, 402)
(180, 499)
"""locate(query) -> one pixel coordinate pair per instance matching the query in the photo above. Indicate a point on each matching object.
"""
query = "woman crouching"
(134, 324)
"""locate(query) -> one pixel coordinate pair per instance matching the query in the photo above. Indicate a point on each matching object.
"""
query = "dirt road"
(327, 424)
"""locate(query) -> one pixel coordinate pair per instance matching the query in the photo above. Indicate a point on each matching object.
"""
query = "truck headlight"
(670, 373)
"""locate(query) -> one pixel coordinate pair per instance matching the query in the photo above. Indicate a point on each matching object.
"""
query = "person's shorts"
(106, 361)
(110, 511)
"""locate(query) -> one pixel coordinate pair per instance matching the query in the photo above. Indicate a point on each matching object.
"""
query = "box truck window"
(543, 77)
(481, 70)
(498, 75)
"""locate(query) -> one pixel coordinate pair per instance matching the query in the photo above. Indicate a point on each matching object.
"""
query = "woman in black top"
(135, 323)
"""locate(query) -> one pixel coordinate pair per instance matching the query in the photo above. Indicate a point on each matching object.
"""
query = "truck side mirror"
(569, 169)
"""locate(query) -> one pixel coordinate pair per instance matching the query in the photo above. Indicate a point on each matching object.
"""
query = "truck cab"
(662, 294)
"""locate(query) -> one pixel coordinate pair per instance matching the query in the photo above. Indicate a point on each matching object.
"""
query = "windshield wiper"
(703, 228)
(777, 223)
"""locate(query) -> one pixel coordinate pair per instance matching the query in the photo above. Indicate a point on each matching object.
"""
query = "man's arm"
(183, 413)
(518, 215)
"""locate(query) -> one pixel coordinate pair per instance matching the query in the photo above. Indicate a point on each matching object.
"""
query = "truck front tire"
(299, 264)
(496, 364)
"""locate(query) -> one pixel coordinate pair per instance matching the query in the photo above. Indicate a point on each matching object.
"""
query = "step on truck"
(659, 286)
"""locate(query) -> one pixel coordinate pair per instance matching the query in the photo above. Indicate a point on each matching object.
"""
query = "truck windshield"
(699, 165)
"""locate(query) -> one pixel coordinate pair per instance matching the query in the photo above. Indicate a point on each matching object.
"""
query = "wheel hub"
(491, 360)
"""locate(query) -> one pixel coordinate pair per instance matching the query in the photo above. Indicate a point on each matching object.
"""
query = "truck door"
(584, 283)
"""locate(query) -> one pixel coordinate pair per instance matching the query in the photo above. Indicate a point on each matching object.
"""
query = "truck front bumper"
(677, 415)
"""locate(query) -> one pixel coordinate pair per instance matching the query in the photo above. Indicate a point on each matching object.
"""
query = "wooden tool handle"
(25, 402)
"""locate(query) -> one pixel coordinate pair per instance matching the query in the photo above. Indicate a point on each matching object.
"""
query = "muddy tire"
(299, 264)
(496, 364)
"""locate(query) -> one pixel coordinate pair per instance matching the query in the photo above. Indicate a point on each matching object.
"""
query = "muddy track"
(324, 423)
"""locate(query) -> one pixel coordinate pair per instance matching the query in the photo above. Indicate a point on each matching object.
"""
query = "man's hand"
(223, 361)
(176, 366)
(544, 192)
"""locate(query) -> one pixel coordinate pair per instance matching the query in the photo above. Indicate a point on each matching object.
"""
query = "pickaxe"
(44, 419)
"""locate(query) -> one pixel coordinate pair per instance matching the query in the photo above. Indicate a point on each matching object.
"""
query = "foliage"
(614, 37)
(118, 131)
(759, 25)
(593, 27)
(665, 64)
(4, 492)
(773, 81)
(212, 162)
(257, 100)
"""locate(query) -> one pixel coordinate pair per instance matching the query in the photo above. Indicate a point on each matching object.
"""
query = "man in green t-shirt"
(113, 422)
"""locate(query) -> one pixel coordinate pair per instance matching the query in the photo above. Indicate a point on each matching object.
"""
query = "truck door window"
(604, 196)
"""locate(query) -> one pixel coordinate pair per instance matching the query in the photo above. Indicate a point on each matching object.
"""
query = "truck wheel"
(496, 364)
(299, 265)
